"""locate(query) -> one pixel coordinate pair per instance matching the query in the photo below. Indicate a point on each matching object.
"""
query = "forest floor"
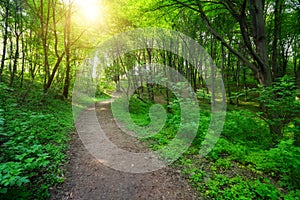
(88, 179)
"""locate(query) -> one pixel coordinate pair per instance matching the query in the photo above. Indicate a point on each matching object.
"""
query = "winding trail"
(88, 179)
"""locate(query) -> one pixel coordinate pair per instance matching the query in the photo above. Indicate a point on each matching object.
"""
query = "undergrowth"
(242, 165)
(34, 137)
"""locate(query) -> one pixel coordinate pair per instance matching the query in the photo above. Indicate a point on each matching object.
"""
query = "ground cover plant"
(34, 139)
(244, 164)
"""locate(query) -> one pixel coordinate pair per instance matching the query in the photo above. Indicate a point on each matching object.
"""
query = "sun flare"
(90, 10)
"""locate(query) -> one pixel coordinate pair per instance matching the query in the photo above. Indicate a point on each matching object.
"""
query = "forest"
(228, 65)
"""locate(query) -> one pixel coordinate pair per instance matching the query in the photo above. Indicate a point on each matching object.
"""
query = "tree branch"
(222, 40)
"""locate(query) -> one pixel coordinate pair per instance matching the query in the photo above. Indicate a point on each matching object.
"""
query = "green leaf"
(3, 190)
(22, 180)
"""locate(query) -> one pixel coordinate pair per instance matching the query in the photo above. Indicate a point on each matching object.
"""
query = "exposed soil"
(88, 179)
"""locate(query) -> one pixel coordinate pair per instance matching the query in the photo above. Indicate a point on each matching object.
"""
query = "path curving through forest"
(88, 179)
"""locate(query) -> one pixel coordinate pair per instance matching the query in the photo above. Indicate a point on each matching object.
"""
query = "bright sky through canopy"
(89, 9)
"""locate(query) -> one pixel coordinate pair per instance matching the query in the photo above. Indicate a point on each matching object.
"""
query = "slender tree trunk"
(51, 78)
(58, 57)
(5, 39)
(297, 72)
(24, 46)
(15, 62)
(285, 58)
(297, 133)
(245, 85)
(67, 50)
(164, 57)
(150, 85)
(116, 77)
(44, 20)
(11, 44)
(228, 78)
(277, 25)
(67, 77)
(238, 73)
(33, 60)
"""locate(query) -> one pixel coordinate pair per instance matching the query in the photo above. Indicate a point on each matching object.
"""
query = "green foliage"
(223, 187)
(104, 88)
(246, 128)
(223, 163)
(293, 195)
(139, 112)
(196, 175)
(281, 105)
(202, 95)
(282, 161)
(242, 150)
(34, 139)
(225, 148)
(1, 124)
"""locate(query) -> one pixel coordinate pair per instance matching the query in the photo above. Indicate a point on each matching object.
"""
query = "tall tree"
(67, 45)
(253, 33)
(6, 7)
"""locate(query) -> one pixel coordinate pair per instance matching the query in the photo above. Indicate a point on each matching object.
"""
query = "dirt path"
(88, 179)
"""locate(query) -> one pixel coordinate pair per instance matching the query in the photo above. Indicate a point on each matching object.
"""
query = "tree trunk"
(277, 25)
(245, 85)
(5, 38)
(51, 78)
(17, 32)
(150, 88)
(15, 62)
(24, 50)
(164, 57)
(259, 34)
(297, 133)
(297, 73)
(276, 130)
(67, 43)
(238, 74)
(44, 21)
(67, 77)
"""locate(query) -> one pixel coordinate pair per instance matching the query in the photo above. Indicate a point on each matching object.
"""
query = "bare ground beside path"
(88, 179)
